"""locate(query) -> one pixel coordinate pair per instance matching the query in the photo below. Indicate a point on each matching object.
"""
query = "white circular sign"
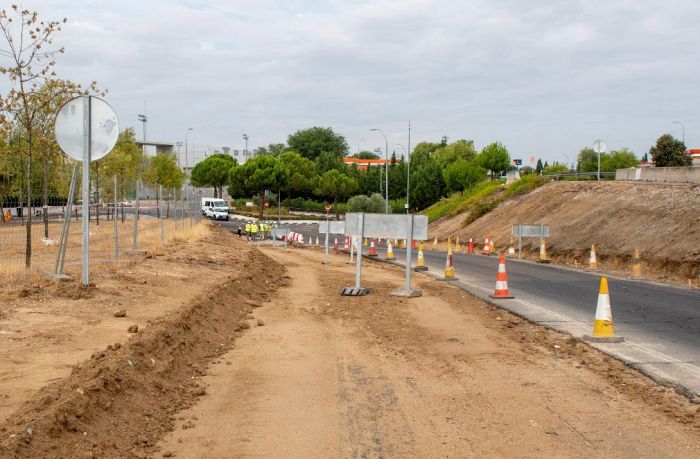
(599, 146)
(104, 128)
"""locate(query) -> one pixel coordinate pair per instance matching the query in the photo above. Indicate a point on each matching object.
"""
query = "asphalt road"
(660, 322)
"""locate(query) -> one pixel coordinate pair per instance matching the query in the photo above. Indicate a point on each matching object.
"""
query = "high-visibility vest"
(247, 227)
(262, 228)
(253, 228)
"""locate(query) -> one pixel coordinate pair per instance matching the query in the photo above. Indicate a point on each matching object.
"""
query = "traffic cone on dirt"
(470, 247)
(543, 253)
(487, 247)
(449, 265)
(389, 251)
(511, 249)
(420, 263)
(501, 291)
(372, 250)
(317, 242)
(335, 244)
(592, 260)
(636, 265)
(435, 244)
(603, 330)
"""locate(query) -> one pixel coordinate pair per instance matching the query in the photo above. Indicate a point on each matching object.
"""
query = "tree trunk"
(28, 247)
(261, 195)
(158, 197)
(45, 196)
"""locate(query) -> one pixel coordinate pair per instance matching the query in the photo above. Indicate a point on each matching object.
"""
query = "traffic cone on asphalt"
(420, 263)
(346, 245)
(492, 246)
(511, 249)
(449, 265)
(543, 253)
(603, 330)
(501, 291)
(364, 242)
(372, 250)
(414, 244)
(636, 265)
(389, 251)
(592, 260)
(335, 244)
(457, 245)
(470, 247)
(487, 247)
(379, 242)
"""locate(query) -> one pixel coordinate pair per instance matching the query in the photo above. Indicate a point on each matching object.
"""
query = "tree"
(125, 161)
(213, 172)
(301, 181)
(327, 161)
(162, 170)
(256, 175)
(645, 158)
(461, 174)
(461, 149)
(365, 155)
(422, 153)
(363, 203)
(587, 160)
(31, 61)
(335, 185)
(619, 159)
(310, 143)
(669, 152)
(555, 169)
(274, 149)
(539, 167)
(526, 170)
(495, 158)
(427, 184)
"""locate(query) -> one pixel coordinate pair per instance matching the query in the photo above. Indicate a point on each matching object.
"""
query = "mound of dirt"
(123, 399)
(661, 220)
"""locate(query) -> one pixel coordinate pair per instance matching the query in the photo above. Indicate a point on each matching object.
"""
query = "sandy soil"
(661, 220)
(444, 375)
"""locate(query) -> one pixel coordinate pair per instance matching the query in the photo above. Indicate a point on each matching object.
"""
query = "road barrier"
(389, 251)
(592, 260)
(636, 265)
(501, 291)
(603, 330)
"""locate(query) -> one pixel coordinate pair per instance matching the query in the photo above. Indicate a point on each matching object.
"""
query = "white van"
(215, 208)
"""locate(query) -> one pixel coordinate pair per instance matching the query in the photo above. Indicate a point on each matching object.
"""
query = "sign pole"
(520, 242)
(86, 190)
(361, 233)
(328, 228)
(61, 255)
(409, 257)
(116, 230)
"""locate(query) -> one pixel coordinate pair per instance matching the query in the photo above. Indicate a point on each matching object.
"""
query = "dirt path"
(443, 375)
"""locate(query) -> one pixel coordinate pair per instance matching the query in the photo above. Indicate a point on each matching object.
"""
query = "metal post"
(598, 166)
(86, 189)
(520, 242)
(116, 230)
(542, 232)
(134, 242)
(409, 258)
(160, 211)
(328, 228)
(352, 247)
(386, 178)
(408, 171)
(360, 236)
(61, 255)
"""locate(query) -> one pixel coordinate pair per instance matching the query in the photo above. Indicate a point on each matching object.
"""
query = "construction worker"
(239, 231)
(261, 228)
(254, 231)
(247, 231)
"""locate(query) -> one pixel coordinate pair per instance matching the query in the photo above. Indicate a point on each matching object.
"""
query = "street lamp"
(186, 148)
(144, 120)
(599, 147)
(386, 168)
(179, 153)
(245, 137)
(408, 171)
(358, 146)
(682, 127)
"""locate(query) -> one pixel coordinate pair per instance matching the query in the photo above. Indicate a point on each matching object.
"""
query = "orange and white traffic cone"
(511, 249)
(317, 242)
(603, 331)
(501, 291)
(372, 250)
(592, 260)
(492, 246)
(389, 251)
(636, 265)
(420, 262)
(543, 253)
(487, 247)
(449, 265)
(346, 245)
(470, 247)
(335, 244)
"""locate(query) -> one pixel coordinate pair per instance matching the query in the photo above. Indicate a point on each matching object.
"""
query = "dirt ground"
(253, 352)
(661, 220)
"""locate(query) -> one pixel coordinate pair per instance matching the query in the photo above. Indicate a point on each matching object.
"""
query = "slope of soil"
(443, 375)
(661, 220)
(190, 300)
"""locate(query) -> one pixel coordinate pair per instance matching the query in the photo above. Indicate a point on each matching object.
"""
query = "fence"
(114, 230)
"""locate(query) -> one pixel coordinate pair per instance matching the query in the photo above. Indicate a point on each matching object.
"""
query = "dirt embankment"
(121, 400)
(661, 220)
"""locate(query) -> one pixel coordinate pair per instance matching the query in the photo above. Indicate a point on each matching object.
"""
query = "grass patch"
(524, 185)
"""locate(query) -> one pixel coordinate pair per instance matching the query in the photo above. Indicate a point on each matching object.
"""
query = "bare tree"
(31, 56)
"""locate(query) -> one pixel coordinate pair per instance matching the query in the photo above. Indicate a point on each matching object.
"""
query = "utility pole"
(179, 153)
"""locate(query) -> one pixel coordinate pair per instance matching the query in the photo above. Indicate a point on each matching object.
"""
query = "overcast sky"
(544, 77)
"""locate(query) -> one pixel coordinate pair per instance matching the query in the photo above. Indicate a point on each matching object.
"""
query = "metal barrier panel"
(336, 227)
(531, 230)
(395, 226)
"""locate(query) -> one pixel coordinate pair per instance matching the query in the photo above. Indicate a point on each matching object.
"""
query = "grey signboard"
(336, 227)
(395, 226)
(531, 230)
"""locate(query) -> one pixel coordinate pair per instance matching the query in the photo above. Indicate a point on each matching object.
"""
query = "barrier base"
(501, 297)
(544, 261)
(59, 277)
(412, 293)
(354, 291)
(373, 255)
(448, 279)
(420, 268)
(603, 339)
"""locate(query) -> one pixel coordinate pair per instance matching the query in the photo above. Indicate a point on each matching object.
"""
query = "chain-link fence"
(144, 218)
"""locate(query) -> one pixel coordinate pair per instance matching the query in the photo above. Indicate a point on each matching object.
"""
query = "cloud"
(546, 78)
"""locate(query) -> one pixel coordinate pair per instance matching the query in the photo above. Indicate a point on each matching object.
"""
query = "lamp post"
(386, 169)
(186, 149)
(245, 137)
(683, 128)
(599, 147)
(408, 163)
(179, 152)
(358, 146)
